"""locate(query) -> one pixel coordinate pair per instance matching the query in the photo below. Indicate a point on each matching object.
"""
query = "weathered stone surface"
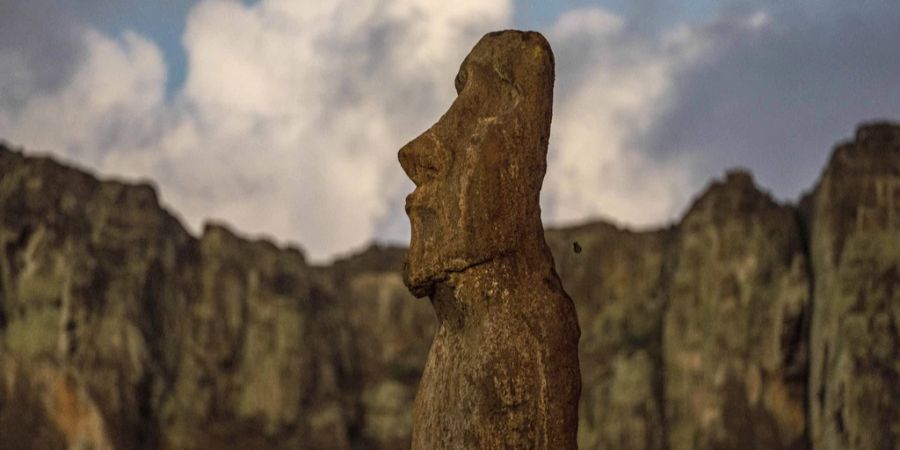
(733, 332)
(502, 371)
(854, 218)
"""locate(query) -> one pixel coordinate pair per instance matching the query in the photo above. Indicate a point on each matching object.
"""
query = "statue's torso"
(508, 379)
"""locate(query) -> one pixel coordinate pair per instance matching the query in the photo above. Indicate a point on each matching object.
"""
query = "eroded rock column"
(503, 367)
(854, 217)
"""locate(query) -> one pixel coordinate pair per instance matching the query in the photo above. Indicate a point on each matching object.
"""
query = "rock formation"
(178, 342)
(502, 371)
(854, 218)
(738, 264)
(776, 323)
(618, 282)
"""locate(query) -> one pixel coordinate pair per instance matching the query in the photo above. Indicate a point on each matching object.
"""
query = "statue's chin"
(418, 283)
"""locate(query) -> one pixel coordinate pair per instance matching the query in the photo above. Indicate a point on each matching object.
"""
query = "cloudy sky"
(283, 117)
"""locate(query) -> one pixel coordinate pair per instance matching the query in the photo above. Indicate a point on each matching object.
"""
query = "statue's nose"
(421, 159)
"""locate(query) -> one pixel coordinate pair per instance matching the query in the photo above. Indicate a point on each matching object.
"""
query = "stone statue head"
(478, 171)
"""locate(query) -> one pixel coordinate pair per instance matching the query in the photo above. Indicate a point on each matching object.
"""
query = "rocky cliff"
(854, 223)
(749, 324)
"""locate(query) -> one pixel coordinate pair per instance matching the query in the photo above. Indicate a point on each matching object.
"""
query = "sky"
(283, 117)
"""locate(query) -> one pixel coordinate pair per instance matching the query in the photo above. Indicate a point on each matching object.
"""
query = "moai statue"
(503, 370)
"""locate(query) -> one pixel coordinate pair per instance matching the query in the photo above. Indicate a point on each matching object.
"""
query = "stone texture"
(502, 371)
(854, 218)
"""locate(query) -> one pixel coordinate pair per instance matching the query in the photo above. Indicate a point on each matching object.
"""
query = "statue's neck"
(473, 292)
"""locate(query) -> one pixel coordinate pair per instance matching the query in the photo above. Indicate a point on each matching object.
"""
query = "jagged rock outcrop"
(119, 329)
(693, 335)
(733, 350)
(854, 220)
(181, 343)
(388, 331)
(88, 272)
(502, 371)
(617, 279)
(255, 366)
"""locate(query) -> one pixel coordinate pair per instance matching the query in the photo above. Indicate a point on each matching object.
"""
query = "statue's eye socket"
(460, 81)
(427, 169)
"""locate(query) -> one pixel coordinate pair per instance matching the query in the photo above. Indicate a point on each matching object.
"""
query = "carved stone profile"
(503, 368)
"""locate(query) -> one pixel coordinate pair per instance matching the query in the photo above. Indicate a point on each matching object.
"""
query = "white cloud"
(595, 168)
(292, 112)
(623, 84)
(290, 118)
(110, 102)
(759, 20)
(596, 22)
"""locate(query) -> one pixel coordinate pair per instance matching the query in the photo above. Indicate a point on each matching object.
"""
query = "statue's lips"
(416, 200)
